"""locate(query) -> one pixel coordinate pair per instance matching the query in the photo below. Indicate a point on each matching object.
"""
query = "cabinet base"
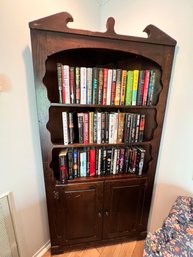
(59, 249)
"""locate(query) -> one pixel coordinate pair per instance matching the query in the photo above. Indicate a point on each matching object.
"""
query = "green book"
(128, 94)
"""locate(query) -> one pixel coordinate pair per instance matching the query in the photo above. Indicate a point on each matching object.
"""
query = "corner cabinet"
(114, 203)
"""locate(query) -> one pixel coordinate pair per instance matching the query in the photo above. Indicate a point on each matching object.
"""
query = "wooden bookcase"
(100, 209)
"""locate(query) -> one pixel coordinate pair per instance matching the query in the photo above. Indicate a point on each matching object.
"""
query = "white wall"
(20, 157)
(175, 169)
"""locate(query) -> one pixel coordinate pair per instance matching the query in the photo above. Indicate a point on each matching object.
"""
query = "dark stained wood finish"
(123, 201)
(126, 198)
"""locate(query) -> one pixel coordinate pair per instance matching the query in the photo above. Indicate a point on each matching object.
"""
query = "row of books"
(90, 162)
(104, 86)
(102, 127)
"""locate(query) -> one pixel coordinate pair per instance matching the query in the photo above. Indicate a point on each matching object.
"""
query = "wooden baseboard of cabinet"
(129, 249)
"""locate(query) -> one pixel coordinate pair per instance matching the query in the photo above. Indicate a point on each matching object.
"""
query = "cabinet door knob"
(99, 214)
(107, 213)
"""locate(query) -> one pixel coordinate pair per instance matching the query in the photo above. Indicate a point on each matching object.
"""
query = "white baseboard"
(42, 250)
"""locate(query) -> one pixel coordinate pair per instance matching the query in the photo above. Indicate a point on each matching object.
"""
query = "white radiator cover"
(8, 243)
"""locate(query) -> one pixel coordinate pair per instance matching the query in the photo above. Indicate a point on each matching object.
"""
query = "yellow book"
(135, 86)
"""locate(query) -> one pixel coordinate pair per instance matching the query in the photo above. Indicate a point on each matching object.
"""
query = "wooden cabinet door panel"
(123, 203)
(79, 212)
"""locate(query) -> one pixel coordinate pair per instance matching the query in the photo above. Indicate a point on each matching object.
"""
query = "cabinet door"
(78, 213)
(123, 204)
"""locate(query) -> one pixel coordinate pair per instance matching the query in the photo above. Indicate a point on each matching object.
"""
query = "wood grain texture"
(128, 249)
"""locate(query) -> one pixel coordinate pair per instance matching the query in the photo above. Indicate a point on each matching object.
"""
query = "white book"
(115, 161)
(116, 117)
(83, 89)
(111, 128)
(98, 127)
(99, 162)
(65, 127)
(109, 86)
(66, 84)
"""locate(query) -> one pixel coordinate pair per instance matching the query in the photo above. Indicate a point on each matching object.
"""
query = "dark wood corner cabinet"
(90, 210)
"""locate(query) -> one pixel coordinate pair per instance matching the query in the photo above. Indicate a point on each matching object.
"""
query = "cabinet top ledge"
(58, 23)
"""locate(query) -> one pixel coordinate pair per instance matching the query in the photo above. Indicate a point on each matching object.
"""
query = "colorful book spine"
(77, 85)
(92, 162)
(86, 128)
(113, 86)
(118, 87)
(123, 87)
(109, 86)
(128, 94)
(100, 85)
(140, 87)
(151, 87)
(89, 86)
(104, 89)
(145, 87)
(72, 84)
(65, 83)
(135, 86)
(63, 166)
(95, 86)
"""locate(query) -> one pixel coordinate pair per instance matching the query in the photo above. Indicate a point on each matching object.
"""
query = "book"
(70, 164)
(118, 87)
(103, 160)
(103, 127)
(104, 88)
(108, 161)
(140, 87)
(141, 127)
(128, 93)
(100, 85)
(80, 127)
(140, 160)
(95, 127)
(113, 86)
(92, 162)
(89, 86)
(95, 86)
(65, 128)
(151, 87)
(145, 87)
(75, 163)
(65, 84)
(135, 86)
(59, 77)
(83, 163)
(91, 127)
(99, 128)
(109, 86)
(72, 84)
(83, 86)
(86, 128)
(77, 85)
(120, 129)
(71, 127)
(123, 87)
(87, 161)
(63, 166)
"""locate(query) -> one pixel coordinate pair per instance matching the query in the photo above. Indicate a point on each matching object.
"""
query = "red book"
(92, 162)
(105, 79)
(145, 87)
